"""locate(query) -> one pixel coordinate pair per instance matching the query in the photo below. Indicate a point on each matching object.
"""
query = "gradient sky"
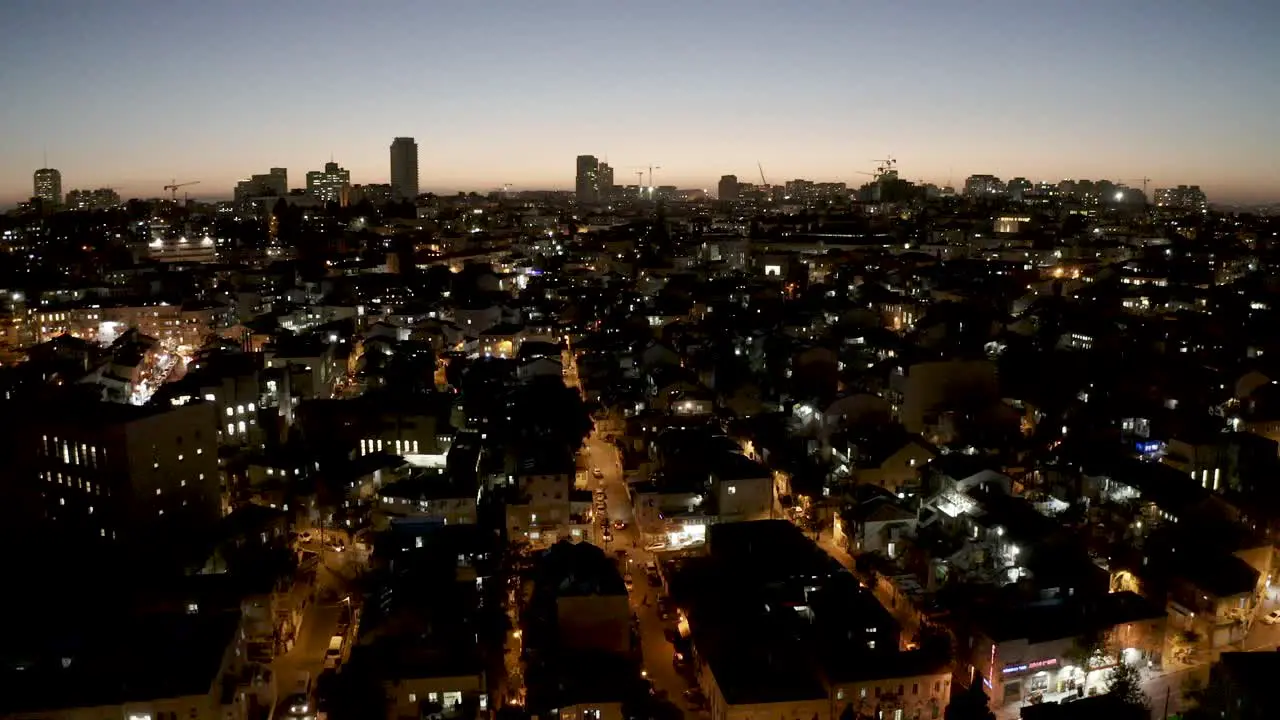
(131, 93)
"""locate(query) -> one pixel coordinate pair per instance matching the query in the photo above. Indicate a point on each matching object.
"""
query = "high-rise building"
(604, 181)
(1018, 188)
(47, 185)
(1183, 197)
(587, 180)
(276, 181)
(329, 185)
(404, 168)
(100, 199)
(983, 186)
(728, 187)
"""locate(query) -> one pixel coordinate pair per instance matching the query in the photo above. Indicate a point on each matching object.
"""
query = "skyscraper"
(587, 180)
(728, 187)
(404, 169)
(329, 185)
(604, 181)
(47, 184)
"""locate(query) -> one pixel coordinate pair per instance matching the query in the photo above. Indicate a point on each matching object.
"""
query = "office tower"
(587, 180)
(47, 184)
(604, 181)
(728, 187)
(404, 168)
(329, 185)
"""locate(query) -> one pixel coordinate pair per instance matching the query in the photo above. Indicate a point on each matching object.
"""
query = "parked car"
(1272, 617)
(597, 473)
(695, 698)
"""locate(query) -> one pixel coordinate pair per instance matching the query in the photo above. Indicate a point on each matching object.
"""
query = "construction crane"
(651, 169)
(760, 167)
(640, 183)
(173, 188)
(887, 165)
(1143, 180)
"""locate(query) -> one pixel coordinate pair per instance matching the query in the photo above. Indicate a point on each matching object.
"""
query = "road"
(319, 622)
(657, 654)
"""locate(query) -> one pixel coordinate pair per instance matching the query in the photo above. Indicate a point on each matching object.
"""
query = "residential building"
(180, 665)
(100, 199)
(728, 188)
(979, 186)
(114, 472)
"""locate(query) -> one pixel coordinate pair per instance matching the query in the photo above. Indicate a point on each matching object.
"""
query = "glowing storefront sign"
(1022, 667)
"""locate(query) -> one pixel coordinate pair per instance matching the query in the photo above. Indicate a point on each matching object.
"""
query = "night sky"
(132, 93)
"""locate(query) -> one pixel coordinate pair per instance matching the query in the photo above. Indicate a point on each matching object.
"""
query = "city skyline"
(1176, 92)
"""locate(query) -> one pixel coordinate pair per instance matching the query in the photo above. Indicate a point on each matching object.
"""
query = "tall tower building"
(329, 185)
(47, 185)
(404, 169)
(604, 181)
(728, 187)
(587, 180)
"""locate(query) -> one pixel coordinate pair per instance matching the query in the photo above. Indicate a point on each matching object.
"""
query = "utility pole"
(1167, 689)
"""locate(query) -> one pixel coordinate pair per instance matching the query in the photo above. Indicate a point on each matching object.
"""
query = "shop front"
(1052, 679)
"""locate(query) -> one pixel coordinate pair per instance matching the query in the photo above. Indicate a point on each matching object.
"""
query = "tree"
(969, 704)
(1125, 684)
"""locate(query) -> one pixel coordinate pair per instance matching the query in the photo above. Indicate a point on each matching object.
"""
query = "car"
(597, 473)
(654, 580)
(695, 698)
(305, 536)
(619, 525)
(1272, 617)
(626, 580)
(607, 537)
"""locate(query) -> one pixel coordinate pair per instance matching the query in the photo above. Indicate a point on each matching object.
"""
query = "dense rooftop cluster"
(801, 452)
